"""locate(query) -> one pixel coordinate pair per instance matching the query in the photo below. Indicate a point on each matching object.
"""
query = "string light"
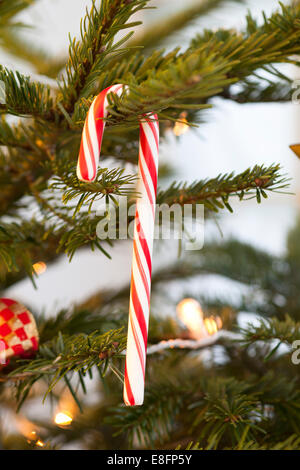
(39, 268)
(181, 127)
(39, 443)
(26, 428)
(190, 313)
(29, 431)
(211, 325)
(63, 418)
(66, 410)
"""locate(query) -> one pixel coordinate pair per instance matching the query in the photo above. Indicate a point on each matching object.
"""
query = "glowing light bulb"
(211, 325)
(29, 431)
(66, 410)
(39, 443)
(190, 313)
(181, 126)
(39, 268)
(63, 418)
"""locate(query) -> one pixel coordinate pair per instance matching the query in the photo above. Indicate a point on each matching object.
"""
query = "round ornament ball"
(18, 332)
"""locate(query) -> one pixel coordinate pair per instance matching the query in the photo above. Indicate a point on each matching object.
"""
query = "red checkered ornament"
(18, 332)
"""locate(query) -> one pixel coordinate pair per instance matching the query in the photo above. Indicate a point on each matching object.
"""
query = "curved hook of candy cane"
(92, 134)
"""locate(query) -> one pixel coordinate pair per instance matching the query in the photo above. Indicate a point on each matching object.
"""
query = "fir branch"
(208, 57)
(57, 232)
(252, 91)
(12, 136)
(213, 62)
(24, 97)
(291, 443)
(270, 85)
(229, 413)
(109, 183)
(79, 320)
(211, 409)
(64, 356)
(24, 162)
(72, 234)
(21, 245)
(97, 33)
(78, 233)
(214, 193)
(269, 329)
(272, 42)
(153, 421)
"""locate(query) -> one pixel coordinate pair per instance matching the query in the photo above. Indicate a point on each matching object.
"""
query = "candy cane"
(143, 231)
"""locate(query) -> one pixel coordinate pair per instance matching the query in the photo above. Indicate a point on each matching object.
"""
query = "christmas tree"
(209, 383)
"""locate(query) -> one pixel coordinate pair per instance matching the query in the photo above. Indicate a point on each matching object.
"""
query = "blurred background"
(232, 138)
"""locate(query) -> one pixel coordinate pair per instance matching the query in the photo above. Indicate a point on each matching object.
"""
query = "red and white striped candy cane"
(139, 306)
(92, 135)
